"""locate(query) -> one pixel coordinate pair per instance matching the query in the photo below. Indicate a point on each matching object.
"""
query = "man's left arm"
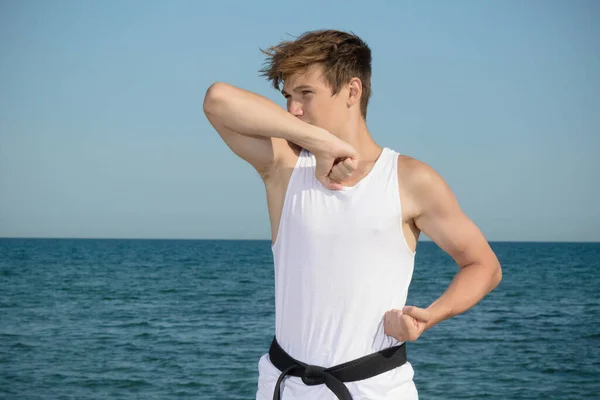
(440, 217)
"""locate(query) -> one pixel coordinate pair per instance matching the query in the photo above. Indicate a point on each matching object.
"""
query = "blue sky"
(102, 132)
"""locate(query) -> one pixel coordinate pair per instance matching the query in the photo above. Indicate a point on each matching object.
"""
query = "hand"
(335, 164)
(406, 325)
(343, 170)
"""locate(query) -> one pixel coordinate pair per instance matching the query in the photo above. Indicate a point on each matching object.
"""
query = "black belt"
(334, 377)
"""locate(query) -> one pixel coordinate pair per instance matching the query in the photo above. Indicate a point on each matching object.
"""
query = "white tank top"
(341, 261)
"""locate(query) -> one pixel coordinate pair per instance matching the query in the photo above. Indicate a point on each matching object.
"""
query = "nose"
(295, 108)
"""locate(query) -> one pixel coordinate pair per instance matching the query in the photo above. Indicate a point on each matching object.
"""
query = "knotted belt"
(334, 377)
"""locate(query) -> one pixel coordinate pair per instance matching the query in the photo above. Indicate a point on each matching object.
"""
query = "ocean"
(163, 319)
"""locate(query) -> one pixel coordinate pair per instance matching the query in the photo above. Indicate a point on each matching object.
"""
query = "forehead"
(312, 76)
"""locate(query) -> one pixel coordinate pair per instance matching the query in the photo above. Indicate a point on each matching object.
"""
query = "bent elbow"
(215, 94)
(497, 277)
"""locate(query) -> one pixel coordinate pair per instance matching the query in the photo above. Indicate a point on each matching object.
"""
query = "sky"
(102, 133)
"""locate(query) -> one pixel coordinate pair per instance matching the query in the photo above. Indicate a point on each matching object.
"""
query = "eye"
(305, 92)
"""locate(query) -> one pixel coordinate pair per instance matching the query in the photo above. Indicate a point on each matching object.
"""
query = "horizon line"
(254, 240)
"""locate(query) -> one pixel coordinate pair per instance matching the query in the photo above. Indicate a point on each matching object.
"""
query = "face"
(309, 98)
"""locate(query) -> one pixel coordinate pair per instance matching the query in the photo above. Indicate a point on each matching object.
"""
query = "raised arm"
(259, 131)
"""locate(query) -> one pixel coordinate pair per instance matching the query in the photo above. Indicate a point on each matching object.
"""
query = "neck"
(356, 134)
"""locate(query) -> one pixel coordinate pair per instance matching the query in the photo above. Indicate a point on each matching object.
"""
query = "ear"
(354, 92)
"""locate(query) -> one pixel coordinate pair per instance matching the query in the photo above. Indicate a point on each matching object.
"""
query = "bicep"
(257, 151)
(262, 152)
(443, 221)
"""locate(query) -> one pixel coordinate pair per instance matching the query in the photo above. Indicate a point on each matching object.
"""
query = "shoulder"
(421, 185)
(417, 175)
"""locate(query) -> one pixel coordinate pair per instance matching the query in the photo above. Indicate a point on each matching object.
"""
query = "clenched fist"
(343, 170)
(406, 325)
(335, 163)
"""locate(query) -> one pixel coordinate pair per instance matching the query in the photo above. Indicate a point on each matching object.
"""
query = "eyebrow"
(297, 88)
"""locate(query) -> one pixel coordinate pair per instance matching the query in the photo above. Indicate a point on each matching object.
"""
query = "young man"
(345, 218)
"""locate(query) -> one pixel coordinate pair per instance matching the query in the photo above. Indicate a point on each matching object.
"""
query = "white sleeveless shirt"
(341, 261)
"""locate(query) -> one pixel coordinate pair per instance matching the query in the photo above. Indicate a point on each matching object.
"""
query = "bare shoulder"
(435, 211)
(413, 171)
(421, 185)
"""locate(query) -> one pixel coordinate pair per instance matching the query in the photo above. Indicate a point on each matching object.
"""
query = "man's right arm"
(256, 129)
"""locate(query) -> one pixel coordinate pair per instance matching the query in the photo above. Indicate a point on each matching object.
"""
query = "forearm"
(250, 114)
(471, 284)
